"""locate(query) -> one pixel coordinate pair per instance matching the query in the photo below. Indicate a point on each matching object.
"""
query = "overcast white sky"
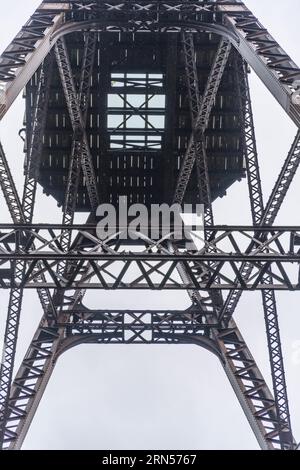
(155, 397)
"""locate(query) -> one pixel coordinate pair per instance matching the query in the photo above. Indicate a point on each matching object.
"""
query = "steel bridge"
(148, 100)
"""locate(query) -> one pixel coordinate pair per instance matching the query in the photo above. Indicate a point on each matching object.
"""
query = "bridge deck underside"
(138, 122)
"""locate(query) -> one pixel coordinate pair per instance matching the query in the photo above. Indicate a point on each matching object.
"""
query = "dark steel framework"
(63, 261)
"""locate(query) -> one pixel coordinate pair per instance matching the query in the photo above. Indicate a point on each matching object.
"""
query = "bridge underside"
(138, 119)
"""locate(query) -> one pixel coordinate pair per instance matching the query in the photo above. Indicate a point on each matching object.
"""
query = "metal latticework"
(81, 143)
(268, 296)
(76, 152)
(200, 118)
(148, 101)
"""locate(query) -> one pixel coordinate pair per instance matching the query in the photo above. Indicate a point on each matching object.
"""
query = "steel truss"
(273, 251)
(270, 213)
(268, 296)
(234, 21)
(78, 150)
(23, 213)
(196, 148)
(80, 145)
(71, 259)
(163, 327)
(200, 108)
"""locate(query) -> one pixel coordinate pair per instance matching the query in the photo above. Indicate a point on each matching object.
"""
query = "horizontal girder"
(151, 264)
(136, 326)
(231, 19)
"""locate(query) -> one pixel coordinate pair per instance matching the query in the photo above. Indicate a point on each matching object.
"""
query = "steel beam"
(283, 183)
(48, 344)
(199, 127)
(77, 121)
(27, 51)
(38, 121)
(249, 141)
(212, 267)
(198, 140)
(271, 211)
(242, 371)
(21, 213)
(15, 299)
(268, 297)
(91, 327)
(77, 144)
(251, 389)
(203, 183)
(284, 427)
(9, 189)
(30, 382)
(269, 60)
(36, 369)
(191, 74)
(34, 151)
(108, 327)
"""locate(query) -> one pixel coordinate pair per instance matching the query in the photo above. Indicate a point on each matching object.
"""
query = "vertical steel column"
(35, 371)
(243, 373)
(15, 299)
(20, 214)
(268, 296)
(240, 367)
